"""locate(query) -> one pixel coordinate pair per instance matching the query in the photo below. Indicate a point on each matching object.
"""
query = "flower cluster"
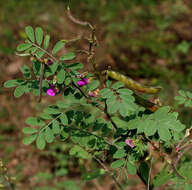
(84, 81)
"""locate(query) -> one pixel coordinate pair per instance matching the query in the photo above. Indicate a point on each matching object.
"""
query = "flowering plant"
(100, 117)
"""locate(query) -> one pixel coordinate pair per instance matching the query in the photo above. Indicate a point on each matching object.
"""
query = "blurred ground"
(147, 40)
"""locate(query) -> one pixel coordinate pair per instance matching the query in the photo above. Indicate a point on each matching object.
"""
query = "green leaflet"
(93, 174)
(29, 130)
(117, 164)
(58, 46)
(33, 121)
(46, 41)
(26, 71)
(30, 33)
(19, 91)
(79, 152)
(68, 56)
(61, 76)
(29, 139)
(39, 35)
(40, 142)
(13, 83)
(49, 137)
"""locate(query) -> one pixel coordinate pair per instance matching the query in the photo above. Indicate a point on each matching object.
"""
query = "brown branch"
(76, 21)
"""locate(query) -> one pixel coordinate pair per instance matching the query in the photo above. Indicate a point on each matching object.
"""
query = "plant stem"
(107, 142)
(149, 176)
(108, 171)
(49, 54)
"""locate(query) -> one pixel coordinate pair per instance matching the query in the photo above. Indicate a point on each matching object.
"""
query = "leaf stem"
(49, 54)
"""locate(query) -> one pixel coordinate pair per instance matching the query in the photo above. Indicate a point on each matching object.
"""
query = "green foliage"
(98, 126)
(144, 171)
(184, 98)
(119, 99)
(26, 71)
(162, 121)
(79, 152)
(131, 168)
(93, 174)
(161, 178)
(183, 47)
(117, 164)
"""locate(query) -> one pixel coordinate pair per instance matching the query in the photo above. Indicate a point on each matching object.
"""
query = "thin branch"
(180, 155)
(108, 171)
(82, 51)
(49, 54)
(76, 21)
(47, 125)
(176, 172)
(186, 146)
(149, 176)
(107, 142)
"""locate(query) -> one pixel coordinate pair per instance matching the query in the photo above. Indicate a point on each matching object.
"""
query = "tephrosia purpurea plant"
(107, 122)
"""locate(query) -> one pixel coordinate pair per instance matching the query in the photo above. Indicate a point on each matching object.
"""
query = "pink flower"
(129, 142)
(52, 90)
(92, 94)
(83, 82)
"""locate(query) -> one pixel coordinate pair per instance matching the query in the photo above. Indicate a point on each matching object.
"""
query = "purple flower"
(129, 142)
(49, 62)
(83, 82)
(52, 90)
